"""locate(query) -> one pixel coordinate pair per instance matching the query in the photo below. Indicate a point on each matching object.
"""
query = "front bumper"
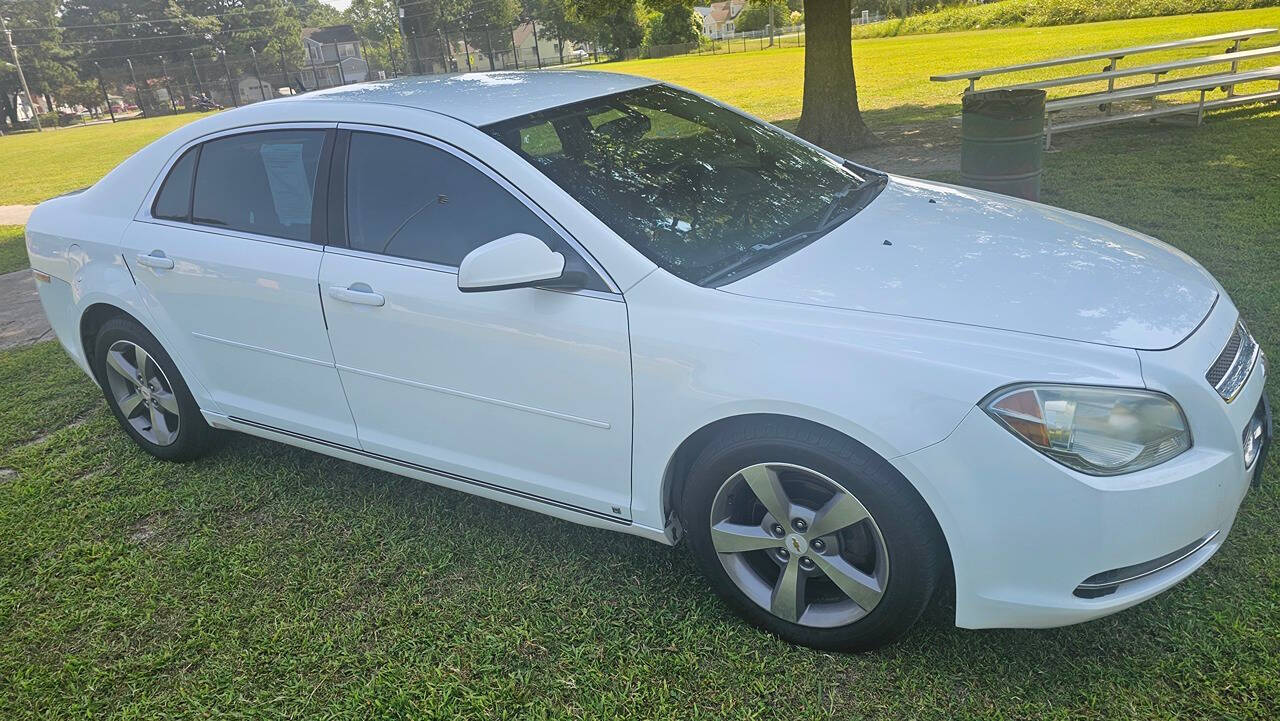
(1026, 533)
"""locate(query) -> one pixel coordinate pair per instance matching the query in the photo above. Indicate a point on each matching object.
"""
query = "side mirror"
(518, 260)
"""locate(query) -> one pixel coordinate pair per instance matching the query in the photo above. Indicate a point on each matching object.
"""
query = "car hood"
(939, 252)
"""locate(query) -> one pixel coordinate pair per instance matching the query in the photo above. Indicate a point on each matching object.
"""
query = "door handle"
(359, 293)
(155, 259)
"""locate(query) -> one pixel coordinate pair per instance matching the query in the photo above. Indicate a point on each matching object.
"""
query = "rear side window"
(173, 202)
(413, 200)
(261, 183)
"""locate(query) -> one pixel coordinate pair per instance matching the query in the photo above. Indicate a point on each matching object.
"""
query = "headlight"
(1099, 431)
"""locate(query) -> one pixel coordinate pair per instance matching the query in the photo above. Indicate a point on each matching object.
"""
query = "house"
(333, 57)
(718, 22)
(547, 44)
(702, 11)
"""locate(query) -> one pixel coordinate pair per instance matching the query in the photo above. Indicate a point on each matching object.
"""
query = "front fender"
(894, 384)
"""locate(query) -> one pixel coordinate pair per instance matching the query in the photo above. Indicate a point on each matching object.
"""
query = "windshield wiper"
(758, 254)
(861, 195)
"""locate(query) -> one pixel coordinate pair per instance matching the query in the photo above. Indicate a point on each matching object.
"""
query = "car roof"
(483, 98)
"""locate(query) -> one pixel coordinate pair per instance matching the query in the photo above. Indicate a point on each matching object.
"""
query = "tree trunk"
(829, 116)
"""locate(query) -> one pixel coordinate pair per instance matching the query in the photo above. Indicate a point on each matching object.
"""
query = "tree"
(46, 62)
(83, 93)
(614, 24)
(755, 16)
(829, 116)
(377, 22)
(673, 24)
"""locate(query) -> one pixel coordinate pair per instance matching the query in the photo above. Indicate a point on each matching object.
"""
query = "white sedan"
(626, 305)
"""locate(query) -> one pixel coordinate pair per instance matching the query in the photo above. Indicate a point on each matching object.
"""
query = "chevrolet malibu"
(623, 304)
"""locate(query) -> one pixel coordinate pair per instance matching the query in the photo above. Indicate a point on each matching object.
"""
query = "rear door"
(226, 256)
(527, 390)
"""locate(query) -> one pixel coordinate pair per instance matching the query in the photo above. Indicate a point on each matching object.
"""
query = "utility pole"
(103, 88)
(262, 88)
(404, 42)
(770, 24)
(231, 87)
(142, 109)
(466, 46)
(196, 72)
(164, 70)
(537, 54)
(444, 49)
(8, 36)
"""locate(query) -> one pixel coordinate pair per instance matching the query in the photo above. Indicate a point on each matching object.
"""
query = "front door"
(525, 389)
(230, 278)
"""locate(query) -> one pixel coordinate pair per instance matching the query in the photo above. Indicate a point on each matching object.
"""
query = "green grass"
(893, 73)
(13, 249)
(1041, 13)
(893, 86)
(63, 159)
(269, 582)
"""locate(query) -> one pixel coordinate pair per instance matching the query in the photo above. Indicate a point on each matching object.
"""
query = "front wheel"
(811, 535)
(146, 393)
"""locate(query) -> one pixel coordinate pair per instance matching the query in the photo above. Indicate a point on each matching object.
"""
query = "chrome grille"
(1231, 369)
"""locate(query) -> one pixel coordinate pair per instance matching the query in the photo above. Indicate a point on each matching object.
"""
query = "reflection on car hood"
(939, 252)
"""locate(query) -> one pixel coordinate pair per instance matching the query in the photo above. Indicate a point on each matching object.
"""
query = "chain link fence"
(175, 83)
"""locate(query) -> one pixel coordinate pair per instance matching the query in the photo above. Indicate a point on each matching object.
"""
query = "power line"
(105, 41)
(151, 22)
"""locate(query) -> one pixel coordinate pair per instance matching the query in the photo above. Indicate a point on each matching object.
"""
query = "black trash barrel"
(1002, 141)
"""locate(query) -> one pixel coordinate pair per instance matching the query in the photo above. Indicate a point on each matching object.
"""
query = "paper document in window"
(287, 177)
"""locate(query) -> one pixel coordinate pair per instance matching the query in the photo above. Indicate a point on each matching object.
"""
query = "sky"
(340, 4)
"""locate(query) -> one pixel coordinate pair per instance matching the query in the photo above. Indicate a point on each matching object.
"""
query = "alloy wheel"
(799, 545)
(143, 393)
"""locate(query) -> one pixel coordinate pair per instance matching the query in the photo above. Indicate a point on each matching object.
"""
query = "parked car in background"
(626, 305)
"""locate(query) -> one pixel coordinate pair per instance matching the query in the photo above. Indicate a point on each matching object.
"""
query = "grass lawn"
(271, 582)
(1006, 13)
(893, 73)
(63, 159)
(893, 86)
(13, 249)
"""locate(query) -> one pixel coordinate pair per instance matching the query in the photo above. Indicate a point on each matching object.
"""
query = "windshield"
(702, 191)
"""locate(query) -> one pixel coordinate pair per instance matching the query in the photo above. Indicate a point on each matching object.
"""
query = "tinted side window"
(411, 200)
(173, 202)
(259, 182)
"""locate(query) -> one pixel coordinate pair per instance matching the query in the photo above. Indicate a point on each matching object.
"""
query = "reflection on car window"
(259, 182)
(412, 200)
(173, 202)
(704, 192)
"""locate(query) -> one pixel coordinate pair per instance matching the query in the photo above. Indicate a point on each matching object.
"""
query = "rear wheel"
(811, 535)
(147, 394)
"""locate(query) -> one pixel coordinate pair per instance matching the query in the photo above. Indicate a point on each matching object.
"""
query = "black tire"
(911, 535)
(193, 436)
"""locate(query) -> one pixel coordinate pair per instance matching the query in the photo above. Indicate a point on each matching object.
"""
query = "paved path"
(22, 320)
(15, 214)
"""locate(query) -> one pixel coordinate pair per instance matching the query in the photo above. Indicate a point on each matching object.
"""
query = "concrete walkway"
(15, 214)
(22, 320)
